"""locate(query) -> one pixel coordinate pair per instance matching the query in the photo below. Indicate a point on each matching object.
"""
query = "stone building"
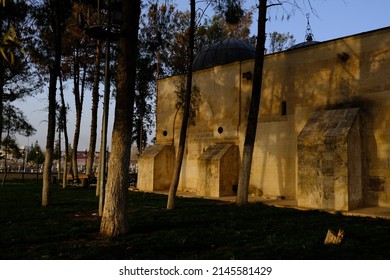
(323, 135)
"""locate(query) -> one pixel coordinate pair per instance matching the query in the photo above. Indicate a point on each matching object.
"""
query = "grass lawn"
(196, 229)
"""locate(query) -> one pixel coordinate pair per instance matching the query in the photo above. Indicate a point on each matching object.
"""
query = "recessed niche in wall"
(283, 108)
(165, 133)
(220, 129)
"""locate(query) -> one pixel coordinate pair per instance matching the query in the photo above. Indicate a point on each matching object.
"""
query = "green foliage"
(143, 118)
(164, 33)
(77, 48)
(217, 28)
(15, 122)
(35, 154)
(161, 38)
(233, 11)
(58, 154)
(8, 45)
(10, 147)
(46, 24)
(280, 41)
(8, 39)
(19, 77)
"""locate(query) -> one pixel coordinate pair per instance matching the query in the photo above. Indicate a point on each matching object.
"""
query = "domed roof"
(223, 52)
(304, 44)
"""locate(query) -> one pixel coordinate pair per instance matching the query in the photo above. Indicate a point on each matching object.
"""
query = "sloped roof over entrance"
(331, 161)
(223, 52)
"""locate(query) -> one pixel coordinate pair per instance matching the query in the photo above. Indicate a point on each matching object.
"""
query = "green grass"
(196, 229)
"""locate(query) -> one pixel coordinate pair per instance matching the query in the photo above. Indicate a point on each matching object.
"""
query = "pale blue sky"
(336, 18)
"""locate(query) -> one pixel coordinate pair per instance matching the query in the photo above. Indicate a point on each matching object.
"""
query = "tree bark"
(94, 113)
(246, 164)
(101, 180)
(5, 162)
(51, 128)
(2, 69)
(187, 104)
(115, 217)
(51, 120)
(1, 92)
(77, 101)
(65, 129)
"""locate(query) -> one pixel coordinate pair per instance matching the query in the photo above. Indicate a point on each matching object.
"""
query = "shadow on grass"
(196, 229)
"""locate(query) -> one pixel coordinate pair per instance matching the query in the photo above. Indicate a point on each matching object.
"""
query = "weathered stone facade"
(331, 160)
(323, 135)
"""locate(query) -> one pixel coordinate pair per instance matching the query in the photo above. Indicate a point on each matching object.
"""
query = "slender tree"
(115, 216)
(77, 64)
(187, 103)
(50, 16)
(64, 127)
(233, 13)
(54, 71)
(94, 112)
(95, 102)
(250, 136)
(79, 100)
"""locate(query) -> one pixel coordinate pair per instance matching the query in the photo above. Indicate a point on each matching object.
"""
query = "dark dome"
(223, 52)
(304, 44)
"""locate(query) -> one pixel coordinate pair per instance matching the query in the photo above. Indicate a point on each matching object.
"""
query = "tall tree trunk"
(5, 168)
(59, 155)
(101, 180)
(2, 69)
(51, 120)
(6, 150)
(94, 109)
(187, 104)
(5, 163)
(77, 101)
(51, 129)
(65, 129)
(246, 164)
(115, 217)
(1, 94)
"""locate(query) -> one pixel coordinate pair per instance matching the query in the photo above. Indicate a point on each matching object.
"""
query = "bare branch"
(275, 4)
